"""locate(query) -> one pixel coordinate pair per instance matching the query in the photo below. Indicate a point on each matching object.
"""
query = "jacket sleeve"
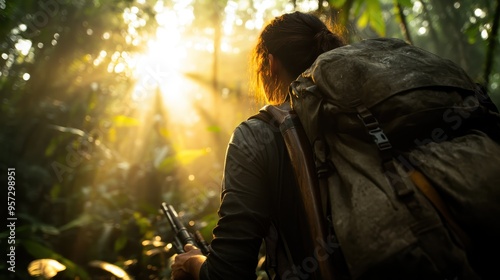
(244, 213)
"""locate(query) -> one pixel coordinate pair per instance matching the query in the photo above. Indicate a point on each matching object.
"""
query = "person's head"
(286, 47)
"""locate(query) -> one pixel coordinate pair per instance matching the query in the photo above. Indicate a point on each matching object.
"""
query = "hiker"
(256, 161)
(405, 149)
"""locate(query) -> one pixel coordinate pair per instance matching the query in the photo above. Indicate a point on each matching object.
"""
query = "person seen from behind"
(257, 166)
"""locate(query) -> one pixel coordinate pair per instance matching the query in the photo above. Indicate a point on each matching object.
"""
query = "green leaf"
(40, 251)
(363, 20)
(124, 121)
(371, 16)
(120, 243)
(183, 157)
(81, 221)
(71, 130)
(52, 147)
(165, 133)
(143, 223)
(55, 191)
(358, 4)
(48, 229)
(471, 33)
(46, 268)
(111, 268)
(112, 135)
(214, 128)
(336, 3)
(405, 3)
(376, 17)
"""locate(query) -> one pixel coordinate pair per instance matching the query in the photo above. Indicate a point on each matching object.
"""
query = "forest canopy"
(111, 107)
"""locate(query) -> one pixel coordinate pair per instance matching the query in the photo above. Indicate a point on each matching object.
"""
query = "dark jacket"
(258, 189)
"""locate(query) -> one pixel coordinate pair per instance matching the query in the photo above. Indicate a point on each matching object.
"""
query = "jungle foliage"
(92, 163)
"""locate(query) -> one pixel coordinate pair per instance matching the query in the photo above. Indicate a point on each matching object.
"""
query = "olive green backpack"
(407, 147)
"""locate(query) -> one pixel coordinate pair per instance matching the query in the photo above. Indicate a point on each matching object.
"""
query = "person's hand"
(187, 265)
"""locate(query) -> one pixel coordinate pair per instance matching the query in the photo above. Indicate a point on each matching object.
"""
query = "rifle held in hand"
(182, 235)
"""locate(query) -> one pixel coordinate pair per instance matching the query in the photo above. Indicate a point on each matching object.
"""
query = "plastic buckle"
(380, 139)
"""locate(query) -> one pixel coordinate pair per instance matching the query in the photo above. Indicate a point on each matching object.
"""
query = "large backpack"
(407, 147)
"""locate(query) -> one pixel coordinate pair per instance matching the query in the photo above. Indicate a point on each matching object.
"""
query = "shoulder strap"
(300, 154)
(263, 116)
(279, 260)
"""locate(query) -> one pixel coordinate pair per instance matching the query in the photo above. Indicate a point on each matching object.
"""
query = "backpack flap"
(373, 70)
(405, 82)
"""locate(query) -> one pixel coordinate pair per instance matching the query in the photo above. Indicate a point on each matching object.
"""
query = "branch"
(492, 40)
(404, 24)
(320, 6)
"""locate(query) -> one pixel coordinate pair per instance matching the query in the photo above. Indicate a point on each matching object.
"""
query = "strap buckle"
(380, 139)
(372, 125)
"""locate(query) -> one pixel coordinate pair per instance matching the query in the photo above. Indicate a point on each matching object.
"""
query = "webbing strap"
(372, 125)
(402, 190)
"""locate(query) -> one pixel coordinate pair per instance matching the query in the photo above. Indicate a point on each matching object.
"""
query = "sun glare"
(160, 67)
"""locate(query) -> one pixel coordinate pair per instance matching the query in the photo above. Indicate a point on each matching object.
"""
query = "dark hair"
(296, 40)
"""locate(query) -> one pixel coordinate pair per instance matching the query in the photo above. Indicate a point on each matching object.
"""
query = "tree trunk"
(492, 40)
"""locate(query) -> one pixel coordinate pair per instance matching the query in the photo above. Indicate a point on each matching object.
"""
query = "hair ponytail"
(325, 39)
(296, 40)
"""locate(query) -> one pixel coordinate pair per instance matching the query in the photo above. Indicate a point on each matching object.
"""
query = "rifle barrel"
(181, 233)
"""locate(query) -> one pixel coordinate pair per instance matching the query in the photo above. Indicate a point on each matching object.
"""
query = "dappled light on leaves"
(45, 268)
(111, 107)
(111, 268)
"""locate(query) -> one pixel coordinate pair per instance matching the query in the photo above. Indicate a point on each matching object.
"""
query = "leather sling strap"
(423, 184)
(275, 238)
(300, 154)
